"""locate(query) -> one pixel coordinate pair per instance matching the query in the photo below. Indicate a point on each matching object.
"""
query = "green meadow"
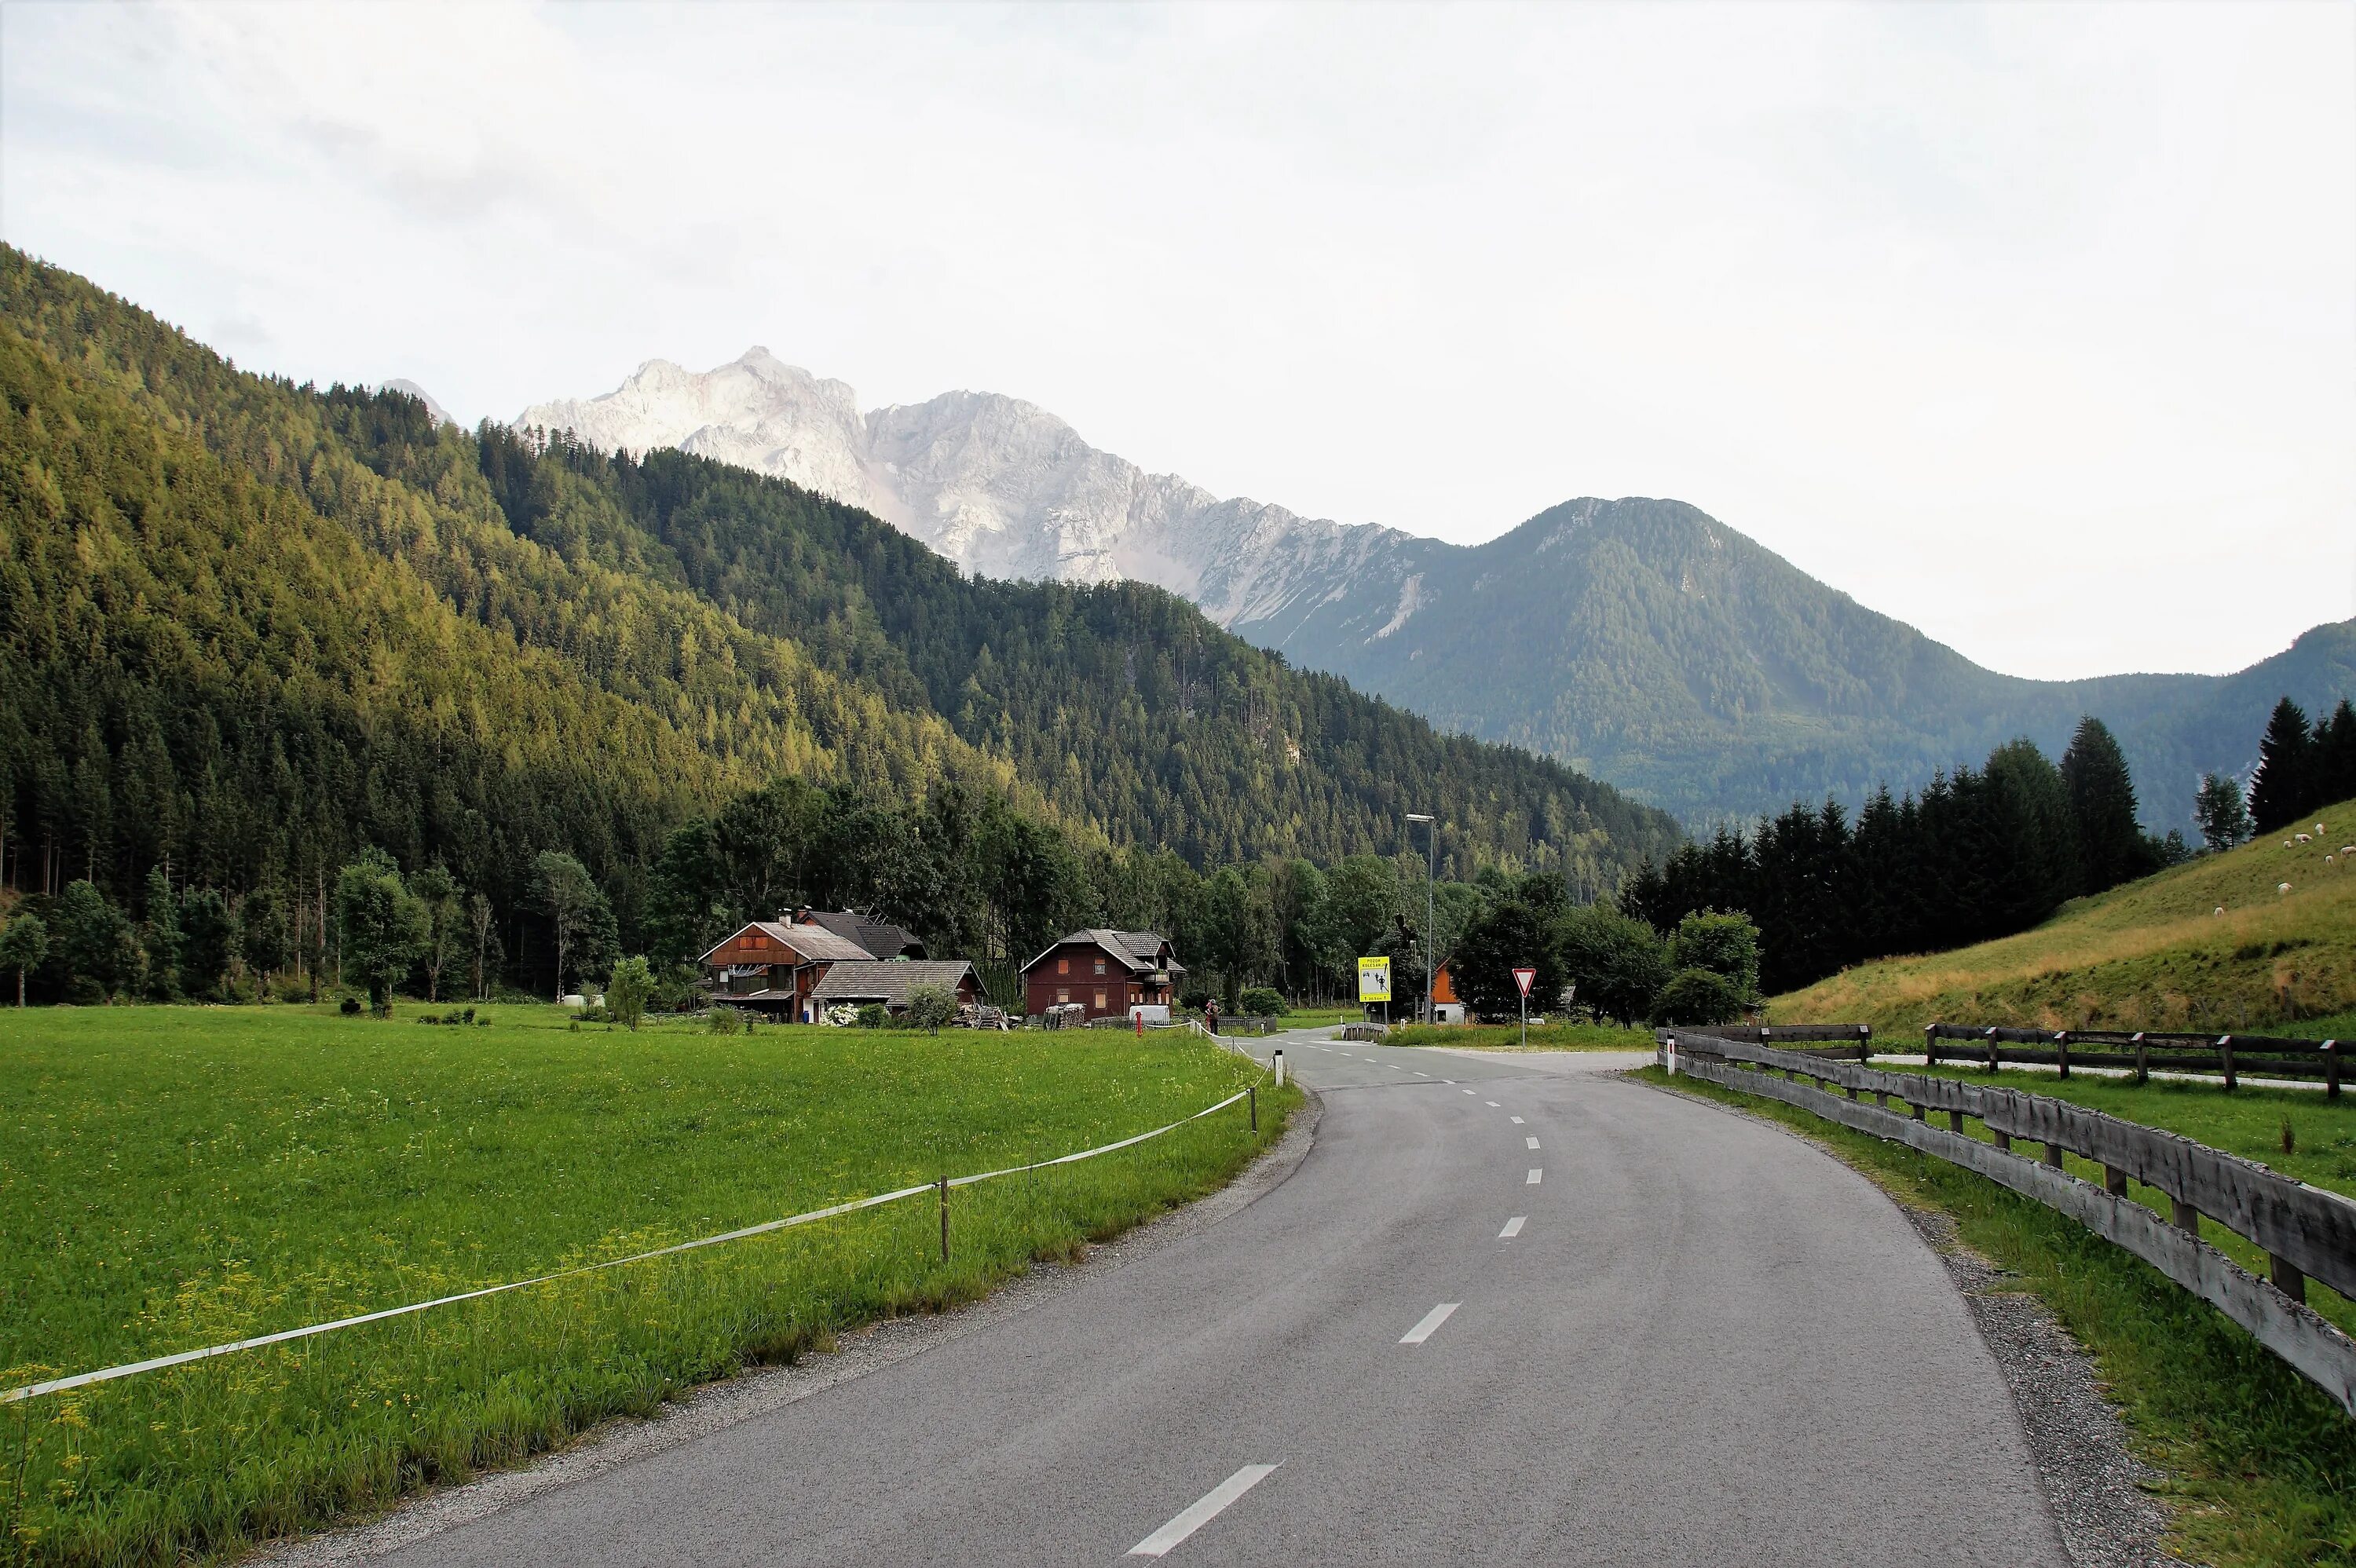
(178, 1176)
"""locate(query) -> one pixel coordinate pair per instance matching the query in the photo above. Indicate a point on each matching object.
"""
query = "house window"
(1100, 964)
(1063, 994)
(1100, 1001)
(1063, 965)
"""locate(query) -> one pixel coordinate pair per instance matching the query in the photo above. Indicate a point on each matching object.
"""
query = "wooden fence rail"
(2305, 1233)
(2224, 1055)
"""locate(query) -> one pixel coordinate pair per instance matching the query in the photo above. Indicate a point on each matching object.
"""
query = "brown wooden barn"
(772, 966)
(1107, 972)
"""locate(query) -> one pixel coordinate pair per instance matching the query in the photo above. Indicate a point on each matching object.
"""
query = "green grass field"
(2151, 955)
(176, 1177)
(1508, 1037)
(2262, 1464)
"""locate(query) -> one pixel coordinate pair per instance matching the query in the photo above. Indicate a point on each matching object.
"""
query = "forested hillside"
(248, 628)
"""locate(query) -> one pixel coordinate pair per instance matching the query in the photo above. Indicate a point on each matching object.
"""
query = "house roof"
(887, 980)
(1141, 950)
(880, 938)
(814, 943)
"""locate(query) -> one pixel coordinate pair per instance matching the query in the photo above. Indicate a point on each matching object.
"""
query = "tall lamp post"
(1430, 872)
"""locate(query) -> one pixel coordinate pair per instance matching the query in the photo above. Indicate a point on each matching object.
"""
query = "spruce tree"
(2278, 794)
(2335, 758)
(2111, 847)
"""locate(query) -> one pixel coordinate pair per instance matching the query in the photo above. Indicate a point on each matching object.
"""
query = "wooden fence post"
(2331, 1070)
(2287, 1278)
(2183, 1215)
(2114, 1182)
(1991, 1040)
(2143, 1058)
(1930, 1045)
(2061, 1050)
(945, 1219)
(1865, 1045)
(2225, 1050)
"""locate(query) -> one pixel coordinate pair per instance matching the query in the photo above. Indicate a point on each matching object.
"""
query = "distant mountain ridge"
(1640, 640)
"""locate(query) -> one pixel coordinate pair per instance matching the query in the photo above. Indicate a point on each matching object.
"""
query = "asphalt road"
(1702, 1343)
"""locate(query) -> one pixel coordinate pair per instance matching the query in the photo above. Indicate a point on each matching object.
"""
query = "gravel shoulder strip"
(2094, 1483)
(758, 1391)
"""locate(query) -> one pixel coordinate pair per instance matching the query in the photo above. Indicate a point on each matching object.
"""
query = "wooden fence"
(2141, 1053)
(2223, 1055)
(2306, 1233)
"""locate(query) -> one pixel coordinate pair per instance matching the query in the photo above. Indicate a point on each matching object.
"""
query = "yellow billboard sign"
(1374, 979)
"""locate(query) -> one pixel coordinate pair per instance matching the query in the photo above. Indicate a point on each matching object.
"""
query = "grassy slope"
(176, 1178)
(2151, 955)
(2258, 1461)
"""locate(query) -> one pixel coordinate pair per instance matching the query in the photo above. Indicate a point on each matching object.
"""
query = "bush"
(872, 1015)
(1195, 998)
(725, 1020)
(627, 992)
(1265, 1002)
(350, 1007)
(930, 1007)
(1724, 944)
(1700, 996)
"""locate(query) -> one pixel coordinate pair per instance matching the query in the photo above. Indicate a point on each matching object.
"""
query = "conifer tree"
(2111, 847)
(2278, 792)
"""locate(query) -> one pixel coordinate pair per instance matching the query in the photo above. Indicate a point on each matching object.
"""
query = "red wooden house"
(1107, 972)
(772, 966)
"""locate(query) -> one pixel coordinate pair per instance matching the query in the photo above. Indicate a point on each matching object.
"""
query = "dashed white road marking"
(1430, 1324)
(1493, 1105)
(1534, 1176)
(1517, 1121)
(1513, 1228)
(1531, 1142)
(1419, 1072)
(1471, 1091)
(1213, 1503)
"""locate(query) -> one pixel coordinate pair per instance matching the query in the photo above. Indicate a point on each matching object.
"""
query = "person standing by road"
(1211, 1015)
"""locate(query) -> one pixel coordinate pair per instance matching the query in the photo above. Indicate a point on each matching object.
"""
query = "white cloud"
(2030, 324)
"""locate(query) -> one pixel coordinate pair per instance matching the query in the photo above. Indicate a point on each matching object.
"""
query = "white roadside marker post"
(1279, 1066)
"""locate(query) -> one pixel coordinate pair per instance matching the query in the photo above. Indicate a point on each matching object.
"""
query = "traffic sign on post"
(1523, 977)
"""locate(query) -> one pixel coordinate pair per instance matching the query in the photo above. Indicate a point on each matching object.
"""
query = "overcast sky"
(2032, 325)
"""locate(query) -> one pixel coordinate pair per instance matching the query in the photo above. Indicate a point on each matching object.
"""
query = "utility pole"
(1430, 871)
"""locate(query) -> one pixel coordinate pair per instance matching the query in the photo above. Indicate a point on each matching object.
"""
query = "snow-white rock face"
(999, 486)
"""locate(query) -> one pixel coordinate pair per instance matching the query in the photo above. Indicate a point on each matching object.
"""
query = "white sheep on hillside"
(2303, 837)
(2221, 909)
(2348, 848)
(2282, 887)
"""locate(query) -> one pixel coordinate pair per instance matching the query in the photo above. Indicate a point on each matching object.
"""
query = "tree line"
(2301, 767)
(1979, 853)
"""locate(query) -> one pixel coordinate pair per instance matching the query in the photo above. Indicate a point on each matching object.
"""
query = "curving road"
(1507, 1310)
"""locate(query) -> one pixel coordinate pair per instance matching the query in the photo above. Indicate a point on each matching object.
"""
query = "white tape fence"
(157, 1363)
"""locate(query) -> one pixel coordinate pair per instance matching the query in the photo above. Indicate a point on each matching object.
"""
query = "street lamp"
(1430, 872)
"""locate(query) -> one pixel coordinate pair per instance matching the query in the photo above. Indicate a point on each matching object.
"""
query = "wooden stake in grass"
(945, 1219)
(2290, 1140)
